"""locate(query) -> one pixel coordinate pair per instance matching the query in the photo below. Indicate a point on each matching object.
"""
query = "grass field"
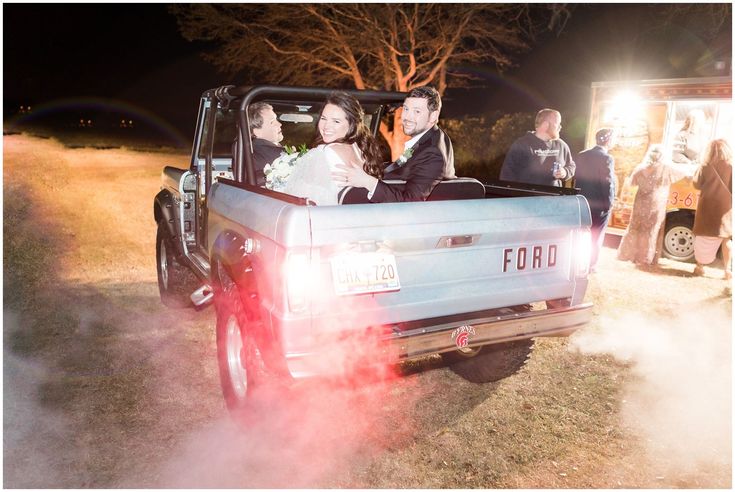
(104, 387)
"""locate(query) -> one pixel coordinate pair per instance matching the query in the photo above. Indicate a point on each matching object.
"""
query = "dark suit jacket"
(264, 152)
(595, 177)
(432, 160)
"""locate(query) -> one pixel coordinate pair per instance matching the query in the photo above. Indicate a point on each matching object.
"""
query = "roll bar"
(243, 167)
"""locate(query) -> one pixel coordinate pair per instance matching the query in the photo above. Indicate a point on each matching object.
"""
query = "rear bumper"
(395, 345)
(498, 329)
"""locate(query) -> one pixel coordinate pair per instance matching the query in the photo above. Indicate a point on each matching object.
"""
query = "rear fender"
(163, 210)
(229, 252)
(229, 257)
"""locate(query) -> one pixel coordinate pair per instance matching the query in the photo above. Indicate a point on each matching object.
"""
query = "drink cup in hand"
(557, 170)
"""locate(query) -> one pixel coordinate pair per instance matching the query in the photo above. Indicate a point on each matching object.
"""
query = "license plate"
(363, 273)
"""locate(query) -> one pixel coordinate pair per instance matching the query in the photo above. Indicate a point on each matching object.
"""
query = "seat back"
(450, 189)
(457, 189)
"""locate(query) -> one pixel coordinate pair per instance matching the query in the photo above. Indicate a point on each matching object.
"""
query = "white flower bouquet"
(278, 171)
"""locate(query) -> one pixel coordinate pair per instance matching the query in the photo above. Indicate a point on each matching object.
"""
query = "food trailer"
(650, 112)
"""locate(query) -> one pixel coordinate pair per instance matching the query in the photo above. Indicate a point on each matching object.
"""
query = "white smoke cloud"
(27, 425)
(302, 440)
(679, 399)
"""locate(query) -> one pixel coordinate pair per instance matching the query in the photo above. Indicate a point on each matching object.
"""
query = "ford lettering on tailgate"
(525, 258)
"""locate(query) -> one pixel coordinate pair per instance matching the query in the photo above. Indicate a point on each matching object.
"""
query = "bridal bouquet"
(278, 171)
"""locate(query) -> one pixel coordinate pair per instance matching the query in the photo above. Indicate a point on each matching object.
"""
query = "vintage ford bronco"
(474, 273)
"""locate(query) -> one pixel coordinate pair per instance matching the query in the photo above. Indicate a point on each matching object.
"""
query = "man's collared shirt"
(410, 143)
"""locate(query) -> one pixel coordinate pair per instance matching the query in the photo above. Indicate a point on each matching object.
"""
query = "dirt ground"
(104, 387)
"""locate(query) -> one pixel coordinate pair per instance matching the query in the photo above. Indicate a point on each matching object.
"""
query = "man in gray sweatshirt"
(540, 157)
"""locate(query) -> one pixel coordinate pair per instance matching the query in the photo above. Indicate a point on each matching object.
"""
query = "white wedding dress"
(312, 176)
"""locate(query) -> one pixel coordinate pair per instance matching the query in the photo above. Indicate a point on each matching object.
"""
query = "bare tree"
(707, 20)
(368, 46)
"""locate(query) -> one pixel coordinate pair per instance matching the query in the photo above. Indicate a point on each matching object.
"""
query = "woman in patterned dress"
(653, 178)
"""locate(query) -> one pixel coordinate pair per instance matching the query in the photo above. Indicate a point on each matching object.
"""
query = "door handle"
(457, 241)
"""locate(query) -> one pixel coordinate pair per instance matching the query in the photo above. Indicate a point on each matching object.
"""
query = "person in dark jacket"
(426, 160)
(265, 130)
(595, 177)
(540, 157)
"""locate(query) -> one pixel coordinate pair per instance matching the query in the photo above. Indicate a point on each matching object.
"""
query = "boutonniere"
(405, 156)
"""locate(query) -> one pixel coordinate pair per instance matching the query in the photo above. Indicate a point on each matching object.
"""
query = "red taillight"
(301, 273)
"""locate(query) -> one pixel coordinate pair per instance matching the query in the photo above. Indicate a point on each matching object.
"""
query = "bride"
(342, 138)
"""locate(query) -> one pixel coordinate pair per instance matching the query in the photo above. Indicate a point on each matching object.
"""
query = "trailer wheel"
(490, 362)
(678, 237)
(175, 281)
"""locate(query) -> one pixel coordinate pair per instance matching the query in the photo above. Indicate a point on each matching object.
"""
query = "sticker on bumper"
(463, 335)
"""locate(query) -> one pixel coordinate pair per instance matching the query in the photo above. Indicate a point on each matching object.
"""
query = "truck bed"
(455, 260)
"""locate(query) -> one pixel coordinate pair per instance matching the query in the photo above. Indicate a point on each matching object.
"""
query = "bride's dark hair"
(357, 132)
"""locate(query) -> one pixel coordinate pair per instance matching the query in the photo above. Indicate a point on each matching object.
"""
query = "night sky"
(132, 56)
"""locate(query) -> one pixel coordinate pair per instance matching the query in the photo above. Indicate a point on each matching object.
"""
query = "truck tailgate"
(450, 257)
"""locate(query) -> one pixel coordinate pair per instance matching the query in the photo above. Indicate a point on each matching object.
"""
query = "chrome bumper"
(498, 329)
(419, 342)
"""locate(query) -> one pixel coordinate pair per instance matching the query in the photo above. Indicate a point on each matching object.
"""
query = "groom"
(426, 160)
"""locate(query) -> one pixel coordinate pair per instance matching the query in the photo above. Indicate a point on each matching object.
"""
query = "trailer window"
(723, 129)
(694, 109)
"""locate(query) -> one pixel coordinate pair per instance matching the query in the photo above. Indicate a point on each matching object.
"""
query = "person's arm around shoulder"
(347, 168)
(425, 173)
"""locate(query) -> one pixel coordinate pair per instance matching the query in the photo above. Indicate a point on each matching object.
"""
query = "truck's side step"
(202, 296)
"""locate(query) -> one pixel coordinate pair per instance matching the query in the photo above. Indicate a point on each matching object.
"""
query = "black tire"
(491, 362)
(678, 237)
(240, 362)
(175, 281)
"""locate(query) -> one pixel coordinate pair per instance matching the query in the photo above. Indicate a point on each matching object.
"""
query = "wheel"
(175, 281)
(679, 238)
(490, 362)
(240, 361)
